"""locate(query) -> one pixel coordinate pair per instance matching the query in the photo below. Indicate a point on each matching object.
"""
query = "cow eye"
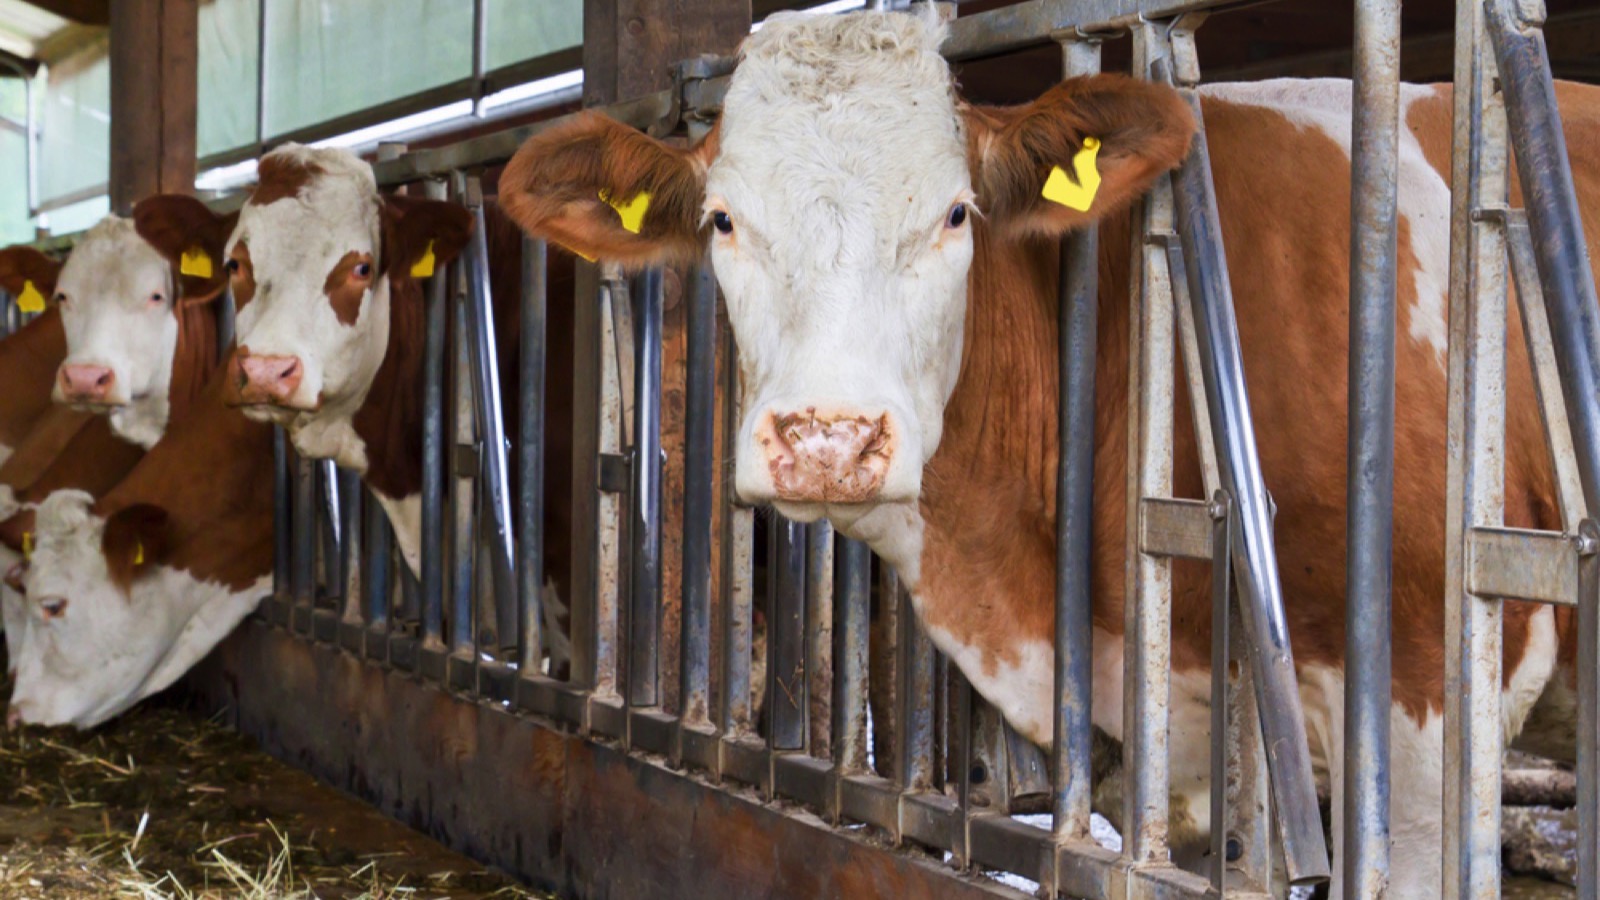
(363, 270)
(157, 298)
(722, 221)
(957, 217)
(232, 266)
(54, 607)
(61, 298)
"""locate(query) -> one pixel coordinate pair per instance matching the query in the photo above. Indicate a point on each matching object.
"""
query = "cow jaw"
(118, 316)
(844, 270)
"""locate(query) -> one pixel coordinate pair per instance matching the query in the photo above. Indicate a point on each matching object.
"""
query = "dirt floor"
(164, 804)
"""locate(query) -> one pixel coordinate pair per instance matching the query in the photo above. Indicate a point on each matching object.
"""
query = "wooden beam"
(154, 52)
(88, 12)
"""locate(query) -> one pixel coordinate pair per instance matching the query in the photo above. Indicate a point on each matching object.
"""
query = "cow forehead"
(335, 210)
(111, 260)
(830, 118)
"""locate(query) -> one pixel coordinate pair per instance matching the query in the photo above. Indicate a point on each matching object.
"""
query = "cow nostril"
(289, 370)
(104, 380)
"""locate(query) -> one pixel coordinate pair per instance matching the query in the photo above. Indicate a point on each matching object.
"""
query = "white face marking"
(105, 651)
(294, 243)
(119, 314)
(841, 155)
(1424, 199)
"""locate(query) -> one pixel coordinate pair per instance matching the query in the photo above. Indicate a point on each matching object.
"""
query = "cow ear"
(419, 235)
(607, 191)
(191, 237)
(1082, 150)
(135, 539)
(21, 265)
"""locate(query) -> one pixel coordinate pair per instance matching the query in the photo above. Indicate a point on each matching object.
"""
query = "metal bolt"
(1235, 849)
(979, 774)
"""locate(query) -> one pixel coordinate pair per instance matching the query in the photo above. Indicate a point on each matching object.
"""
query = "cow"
(331, 331)
(28, 358)
(890, 266)
(124, 593)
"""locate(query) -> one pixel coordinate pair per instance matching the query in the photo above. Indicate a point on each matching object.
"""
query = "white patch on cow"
(405, 515)
(5, 452)
(295, 242)
(108, 650)
(557, 643)
(1424, 196)
(839, 233)
(894, 532)
(1022, 688)
(1537, 667)
(119, 314)
(320, 437)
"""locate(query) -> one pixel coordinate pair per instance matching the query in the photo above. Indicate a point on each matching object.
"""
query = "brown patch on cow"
(28, 362)
(552, 189)
(242, 275)
(94, 460)
(135, 538)
(21, 264)
(175, 224)
(410, 226)
(280, 177)
(346, 288)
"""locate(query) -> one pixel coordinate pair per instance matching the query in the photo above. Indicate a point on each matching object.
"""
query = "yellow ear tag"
(195, 262)
(138, 554)
(30, 300)
(27, 545)
(1058, 188)
(423, 268)
(632, 212)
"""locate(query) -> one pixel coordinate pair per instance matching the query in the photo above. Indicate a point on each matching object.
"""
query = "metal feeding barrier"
(933, 765)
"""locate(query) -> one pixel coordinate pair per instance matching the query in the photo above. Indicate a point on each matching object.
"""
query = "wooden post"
(154, 54)
(629, 49)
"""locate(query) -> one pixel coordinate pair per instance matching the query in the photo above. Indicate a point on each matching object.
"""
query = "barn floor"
(164, 804)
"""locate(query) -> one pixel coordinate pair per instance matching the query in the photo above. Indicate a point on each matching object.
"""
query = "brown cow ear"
(414, 229)
(20, 265)
(191, 237)
(606, 191)
(1118, 129)
(135, 539)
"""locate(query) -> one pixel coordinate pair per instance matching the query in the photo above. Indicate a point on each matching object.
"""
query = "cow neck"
(29, 359)
(389, 420)
(211, 472)
(195, 358)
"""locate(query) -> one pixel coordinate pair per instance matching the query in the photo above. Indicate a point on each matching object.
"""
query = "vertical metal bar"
(1147, 650)
(303, 571)
(261, 73)
(530, 457)
(852, 598)
(1374, 230)
(644, 517)
(463, 545)
(375, 583)
(1589, 710)
(1255, 560)
(282, 513)
(330, 513)
(819, 637)
(914, 731)
(494, 467)
(433, 454)
(480, 53)
(1554, 218)
(351, 575)
(699, 483)
(1079, 298)
(1473, 734)
(786, 596)
(603, 665)
(1221, 607)
(738, 554)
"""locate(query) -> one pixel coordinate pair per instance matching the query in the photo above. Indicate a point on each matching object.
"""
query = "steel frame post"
(530, 458)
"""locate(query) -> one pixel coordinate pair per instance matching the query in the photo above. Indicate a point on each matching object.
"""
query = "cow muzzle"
(263, 380)
(88, 384)
(839, 459)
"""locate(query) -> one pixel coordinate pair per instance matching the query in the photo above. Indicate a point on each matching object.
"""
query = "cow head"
(121, 294)
(844, 194)
(312, 264)
(107, 623)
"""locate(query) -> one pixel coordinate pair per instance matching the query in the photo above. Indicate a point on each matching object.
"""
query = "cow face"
(119, 295)
(312, 262)
(845, 195)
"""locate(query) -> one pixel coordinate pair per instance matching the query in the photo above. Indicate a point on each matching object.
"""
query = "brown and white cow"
(331, 329)
(28, 358)
(890, 269)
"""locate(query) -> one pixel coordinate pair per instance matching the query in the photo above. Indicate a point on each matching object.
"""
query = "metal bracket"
(1523, 564)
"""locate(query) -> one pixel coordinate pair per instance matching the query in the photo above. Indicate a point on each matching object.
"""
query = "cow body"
(969, 518)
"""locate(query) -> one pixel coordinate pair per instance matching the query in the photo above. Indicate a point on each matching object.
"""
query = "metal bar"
(644, 515)
(261, 75)
(1589, 711)
(331, 518)
(852, 598)
(494, 467)
(464, 461)
(1473, 734)
(1374, 232)
(1148, 611)
(914, 731)
(282, 512)
(1277, 688)
(738, 553)
(1075, 434)
(303, 561)
(351, 576)
(610, 552)
(1520, 564)
(1540, 151)
(699, 493)
(433, 453)
(818, 631)
(786, 642)
(480, 53)
(530, 457)
(375, 582)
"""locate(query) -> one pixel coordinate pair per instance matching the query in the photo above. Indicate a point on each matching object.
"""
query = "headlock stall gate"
(935, 767)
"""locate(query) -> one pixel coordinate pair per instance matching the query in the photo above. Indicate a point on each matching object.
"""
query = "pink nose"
(267, 379)
(86, 384)
(816, 459)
